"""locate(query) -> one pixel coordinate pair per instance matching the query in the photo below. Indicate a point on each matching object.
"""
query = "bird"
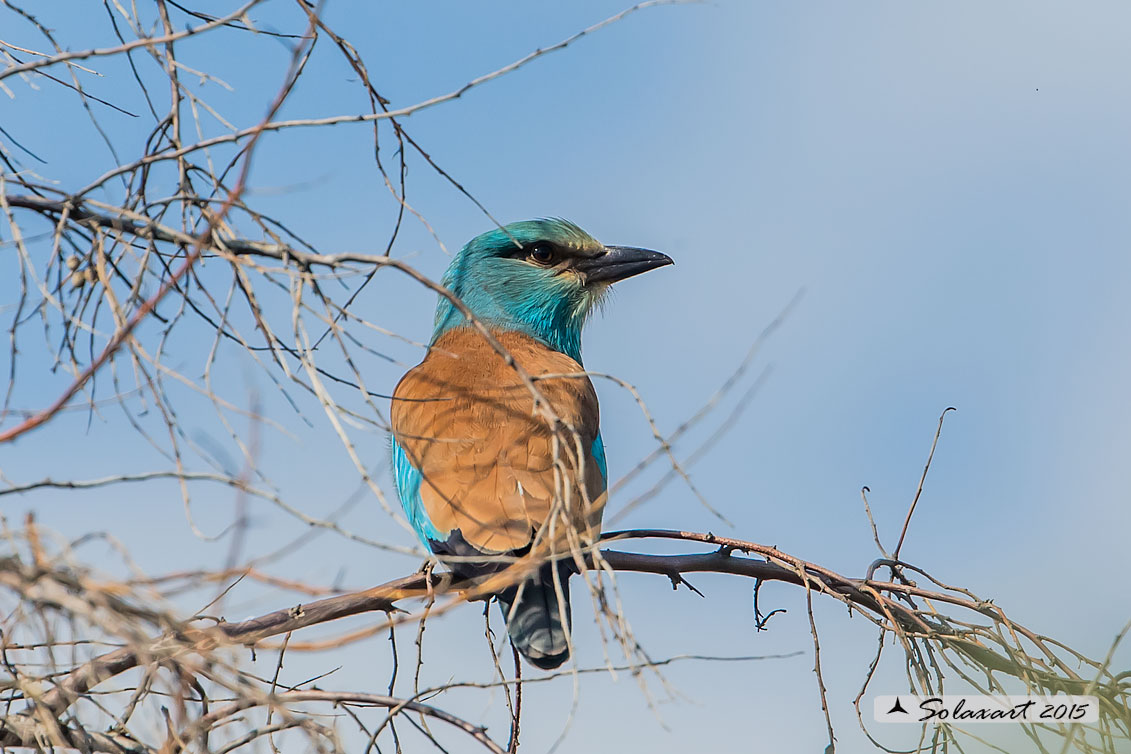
(485, 472)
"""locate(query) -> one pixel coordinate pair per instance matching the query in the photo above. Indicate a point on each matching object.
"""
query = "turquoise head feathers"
(539, 277)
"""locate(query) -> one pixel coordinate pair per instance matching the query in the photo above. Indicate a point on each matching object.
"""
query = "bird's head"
(542, 277)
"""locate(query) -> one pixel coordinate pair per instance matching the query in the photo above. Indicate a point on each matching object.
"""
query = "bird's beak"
(620, 262)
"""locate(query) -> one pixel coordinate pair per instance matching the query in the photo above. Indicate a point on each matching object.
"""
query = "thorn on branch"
(678, 579)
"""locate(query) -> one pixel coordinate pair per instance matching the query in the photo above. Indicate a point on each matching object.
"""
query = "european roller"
(482, 474)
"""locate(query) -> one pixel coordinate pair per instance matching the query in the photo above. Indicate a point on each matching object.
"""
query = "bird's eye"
(541, 253)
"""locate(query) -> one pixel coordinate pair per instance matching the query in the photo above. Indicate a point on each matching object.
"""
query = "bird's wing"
(472, 456)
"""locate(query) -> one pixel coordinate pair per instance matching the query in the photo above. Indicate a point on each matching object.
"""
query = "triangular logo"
(897, 707)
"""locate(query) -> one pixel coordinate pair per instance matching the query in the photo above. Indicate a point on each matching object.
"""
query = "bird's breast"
(493, 466)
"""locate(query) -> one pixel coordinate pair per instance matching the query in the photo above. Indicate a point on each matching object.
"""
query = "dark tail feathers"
(534, 619)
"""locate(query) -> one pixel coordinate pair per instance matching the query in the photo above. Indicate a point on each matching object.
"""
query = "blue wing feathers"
(597, 450)
(408, 488)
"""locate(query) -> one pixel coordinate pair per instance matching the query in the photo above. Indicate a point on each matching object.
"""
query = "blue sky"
(946, 182)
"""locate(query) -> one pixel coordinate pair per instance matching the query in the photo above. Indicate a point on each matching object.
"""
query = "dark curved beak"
(620, 262)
